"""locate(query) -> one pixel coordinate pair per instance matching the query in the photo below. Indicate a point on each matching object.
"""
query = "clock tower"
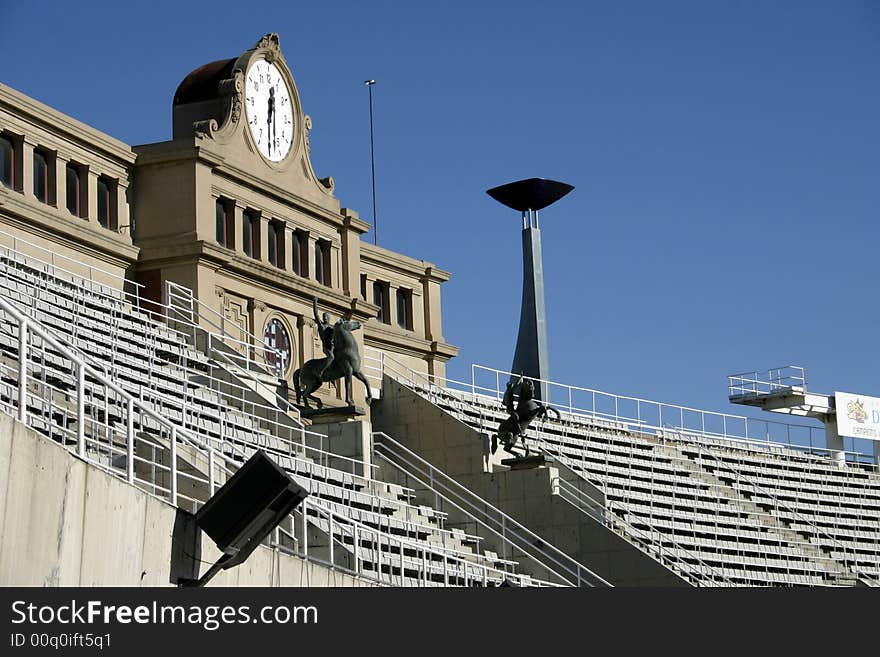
(249, 106)
(231, 209)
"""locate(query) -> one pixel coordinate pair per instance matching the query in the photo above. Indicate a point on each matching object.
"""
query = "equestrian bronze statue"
(521, 415)
(341, 359)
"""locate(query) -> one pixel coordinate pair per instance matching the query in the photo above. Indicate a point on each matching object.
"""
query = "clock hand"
(270, 117)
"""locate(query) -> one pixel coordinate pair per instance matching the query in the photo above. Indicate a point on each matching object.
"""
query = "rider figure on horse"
(341, 360)
(520, 415)
(325, 331)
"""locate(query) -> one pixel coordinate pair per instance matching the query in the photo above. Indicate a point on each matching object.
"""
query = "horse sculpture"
(342, 361)
(526, 410)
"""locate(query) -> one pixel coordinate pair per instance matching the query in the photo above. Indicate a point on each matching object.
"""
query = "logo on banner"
(858, 415)
(855, 410)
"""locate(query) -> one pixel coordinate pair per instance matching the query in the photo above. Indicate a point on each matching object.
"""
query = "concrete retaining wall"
(64, 522)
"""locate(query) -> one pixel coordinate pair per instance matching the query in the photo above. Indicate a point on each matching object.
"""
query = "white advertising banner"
(858, 416)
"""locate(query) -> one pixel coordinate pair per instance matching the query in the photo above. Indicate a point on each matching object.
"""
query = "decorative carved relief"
(307, 125)
(235, 310)
(258, 305)
(232, 89)
(271, 42)
(205, 128)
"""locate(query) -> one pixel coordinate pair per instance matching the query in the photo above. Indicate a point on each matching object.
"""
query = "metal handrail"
(651, 415)
(28, 327)
(53, 255)
(378, 361)
(849, 561)
(448, 557)
(497, 522)
(248, 408)
(202, 312)
(637, 536)
(775, 379)
(198, 312)
(387, 364)
(542, 444)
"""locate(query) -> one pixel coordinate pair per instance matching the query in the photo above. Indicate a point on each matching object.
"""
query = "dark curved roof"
(530, 194)
(201, 84)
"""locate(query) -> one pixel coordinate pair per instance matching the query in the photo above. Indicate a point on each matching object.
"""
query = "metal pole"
(129, 441)
(81, 410)
(22, 371)
(370, 84)
(173, 491)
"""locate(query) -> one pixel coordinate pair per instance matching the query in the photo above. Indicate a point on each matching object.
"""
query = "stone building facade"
(230, 208)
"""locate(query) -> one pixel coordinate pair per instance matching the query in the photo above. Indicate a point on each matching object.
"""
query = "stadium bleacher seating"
(763, 516)
(132, 361)
(101, 367)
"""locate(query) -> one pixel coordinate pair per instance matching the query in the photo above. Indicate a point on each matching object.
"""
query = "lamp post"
(370, 84)
(531, 357)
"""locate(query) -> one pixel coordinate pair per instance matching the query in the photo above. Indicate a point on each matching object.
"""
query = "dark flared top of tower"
(530, 194)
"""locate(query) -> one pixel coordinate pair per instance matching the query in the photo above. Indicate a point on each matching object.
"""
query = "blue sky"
(726, 159)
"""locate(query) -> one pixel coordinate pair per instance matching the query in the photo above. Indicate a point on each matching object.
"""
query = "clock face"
(269, 110)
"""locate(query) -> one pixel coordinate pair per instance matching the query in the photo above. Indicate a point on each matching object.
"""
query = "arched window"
(276, 338)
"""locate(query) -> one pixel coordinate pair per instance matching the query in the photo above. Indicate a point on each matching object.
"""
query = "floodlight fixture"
(242, 513)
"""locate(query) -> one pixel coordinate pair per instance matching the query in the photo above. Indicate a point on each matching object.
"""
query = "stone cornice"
(54, 122)
(384, 337)
(352, 219)
(247, 271)
(179, 150)
(198, 149)
(386, 259)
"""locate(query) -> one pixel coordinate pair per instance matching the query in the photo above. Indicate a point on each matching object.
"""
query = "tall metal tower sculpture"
(528, 196)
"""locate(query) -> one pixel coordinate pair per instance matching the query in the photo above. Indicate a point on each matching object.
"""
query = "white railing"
(768, 382)
(475, 402)
(275, 436)
(363, 546)
(514, 537)
(620, 412)
(656, 544)
(700, 573)
(73, 269)
(645, 415)
(48, 387)
(40, 289)
(741, 480)
(184, 308)
(227, 342)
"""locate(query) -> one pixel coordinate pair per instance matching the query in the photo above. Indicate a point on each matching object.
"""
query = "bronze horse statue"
(343, 362)
(526, 410)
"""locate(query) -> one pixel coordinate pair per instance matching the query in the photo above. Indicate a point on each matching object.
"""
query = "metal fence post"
(211, 481)
(22, 371)
(174, 466)
(129, 440)
(81, 410)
